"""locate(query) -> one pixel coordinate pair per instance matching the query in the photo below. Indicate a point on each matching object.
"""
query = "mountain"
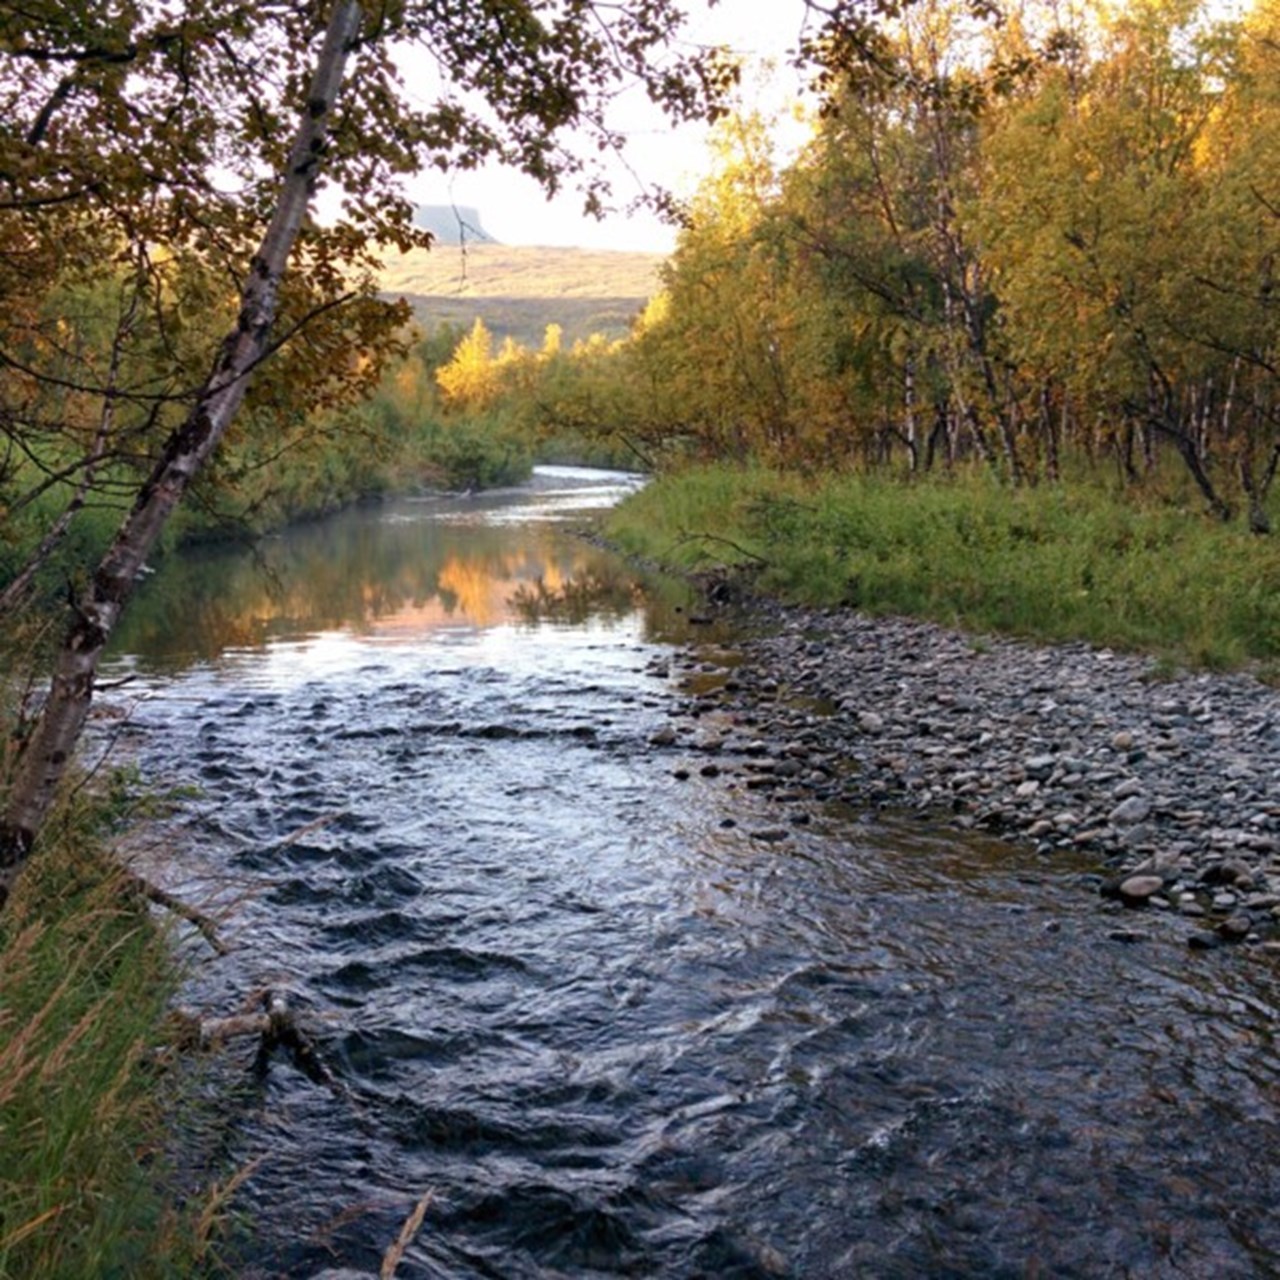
(452, 224)
(518, 290)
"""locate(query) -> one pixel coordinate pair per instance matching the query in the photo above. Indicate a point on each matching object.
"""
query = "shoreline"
(1172, 784)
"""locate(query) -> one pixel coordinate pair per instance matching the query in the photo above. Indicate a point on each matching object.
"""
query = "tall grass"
(1073, 562)
(85, 981)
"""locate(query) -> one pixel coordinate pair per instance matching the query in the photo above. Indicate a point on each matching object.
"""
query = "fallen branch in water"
(306, 829)
(283, 1032)
(163, 898)
(412, 1224)
(276, 1025)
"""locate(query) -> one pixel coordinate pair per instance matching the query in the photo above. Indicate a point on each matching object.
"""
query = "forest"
(1033, 247)
(998, 345)
(1046, 249)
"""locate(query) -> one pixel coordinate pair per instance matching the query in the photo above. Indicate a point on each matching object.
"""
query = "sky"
(514, 210)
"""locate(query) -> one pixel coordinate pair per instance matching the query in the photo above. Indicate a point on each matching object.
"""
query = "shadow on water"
(613, 1036)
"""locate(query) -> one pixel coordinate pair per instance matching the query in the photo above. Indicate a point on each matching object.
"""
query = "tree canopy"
(1011, 237)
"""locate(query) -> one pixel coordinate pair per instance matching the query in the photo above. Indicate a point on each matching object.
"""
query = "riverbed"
(613, 1017)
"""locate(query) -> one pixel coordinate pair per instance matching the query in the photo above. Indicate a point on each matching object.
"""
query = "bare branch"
(207, 928)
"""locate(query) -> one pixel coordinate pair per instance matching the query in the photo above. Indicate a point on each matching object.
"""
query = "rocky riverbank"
(1174, 784)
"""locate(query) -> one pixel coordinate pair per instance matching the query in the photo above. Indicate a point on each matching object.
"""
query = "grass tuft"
(1054, 563)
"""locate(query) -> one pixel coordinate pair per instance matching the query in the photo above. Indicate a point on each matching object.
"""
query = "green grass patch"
(86, 977)
(1054, 563)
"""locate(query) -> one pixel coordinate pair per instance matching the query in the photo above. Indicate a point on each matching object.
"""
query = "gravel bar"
(1173, 784)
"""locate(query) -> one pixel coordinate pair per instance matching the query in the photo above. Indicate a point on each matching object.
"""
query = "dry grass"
(412, 1225)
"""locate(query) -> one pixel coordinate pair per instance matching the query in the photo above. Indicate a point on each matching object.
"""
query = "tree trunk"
(910, 427)
(1190, 455)
(48, 751)
(1256, 488)
(1053, 431)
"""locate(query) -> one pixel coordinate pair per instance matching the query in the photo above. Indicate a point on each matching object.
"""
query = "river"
(570, 996)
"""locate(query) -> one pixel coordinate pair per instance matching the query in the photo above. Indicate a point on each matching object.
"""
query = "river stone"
(1127, 935)
(1128, 812)
(1158, 863)
(1137, 889)
(1039, 767)
(664, 737)
(1262, 901)
(1235, 927)
(1172, 783)
(1203, 941)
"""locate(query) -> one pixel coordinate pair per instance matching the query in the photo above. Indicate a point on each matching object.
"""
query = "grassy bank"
(1062, 562)
(85, 981)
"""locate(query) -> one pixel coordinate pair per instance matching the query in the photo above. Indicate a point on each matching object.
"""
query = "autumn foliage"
(1036, 243)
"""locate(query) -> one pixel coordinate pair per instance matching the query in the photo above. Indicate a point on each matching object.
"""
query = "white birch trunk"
(46, 755)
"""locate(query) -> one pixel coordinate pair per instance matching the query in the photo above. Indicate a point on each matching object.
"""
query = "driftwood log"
(276, 1025)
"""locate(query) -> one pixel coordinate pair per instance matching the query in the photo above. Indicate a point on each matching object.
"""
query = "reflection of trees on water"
(366, 573)
(592, 594)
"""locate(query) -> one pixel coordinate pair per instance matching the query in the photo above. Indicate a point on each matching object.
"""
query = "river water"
(610, 1034)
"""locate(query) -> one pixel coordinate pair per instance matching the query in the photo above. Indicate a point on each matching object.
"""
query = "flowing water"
(608, 1034)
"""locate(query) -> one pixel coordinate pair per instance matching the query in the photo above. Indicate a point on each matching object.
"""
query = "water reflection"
(580, 597)
(394, 572)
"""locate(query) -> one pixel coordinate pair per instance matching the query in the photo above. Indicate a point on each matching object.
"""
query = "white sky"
(513, 208)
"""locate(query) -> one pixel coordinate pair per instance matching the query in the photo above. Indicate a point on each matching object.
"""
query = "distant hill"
(519, 290)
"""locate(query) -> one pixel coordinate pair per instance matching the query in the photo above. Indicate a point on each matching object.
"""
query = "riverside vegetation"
(87, 1097)
(1056, 563)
